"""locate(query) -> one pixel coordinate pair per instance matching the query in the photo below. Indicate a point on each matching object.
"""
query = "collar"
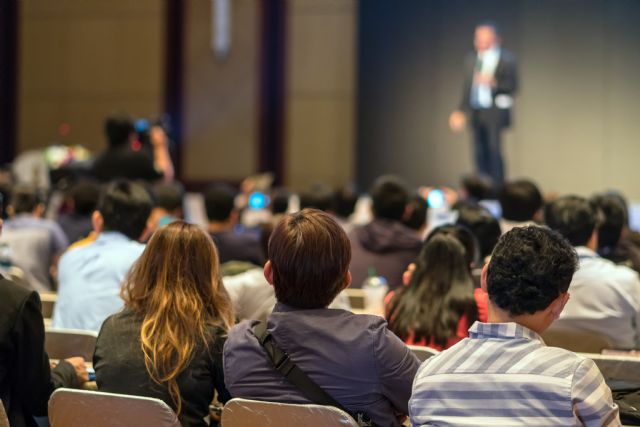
(283, 308)
(502, 330)
(112, 236)
(584, 252)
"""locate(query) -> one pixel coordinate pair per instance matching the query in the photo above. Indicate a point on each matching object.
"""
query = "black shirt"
(119, 365)
(124, 162)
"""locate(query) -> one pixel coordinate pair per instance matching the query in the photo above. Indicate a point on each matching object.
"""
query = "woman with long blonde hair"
(167, 341)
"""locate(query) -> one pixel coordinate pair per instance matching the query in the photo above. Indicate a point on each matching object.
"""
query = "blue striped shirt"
(504, 375)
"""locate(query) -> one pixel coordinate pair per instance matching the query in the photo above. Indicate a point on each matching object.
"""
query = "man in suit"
(490, 83)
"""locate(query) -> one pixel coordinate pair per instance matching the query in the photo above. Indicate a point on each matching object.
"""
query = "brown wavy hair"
(175, 287)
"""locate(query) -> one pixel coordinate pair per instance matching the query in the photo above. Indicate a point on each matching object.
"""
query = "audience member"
(345, 199)
(35, 242)
(26, 380)
(127, 158)
(605, 297)
(482, 224)
(439, 303)
(279, 204)
(474, 188)
(415, 215)
(90, 276)
(232, 244)
(385, 244)
(81, 201)
(354, 358)
(167, 206)
(167, 342)
(318, 196)
(521, 203)
(503, 374)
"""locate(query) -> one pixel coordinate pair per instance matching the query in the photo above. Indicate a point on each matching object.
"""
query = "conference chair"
(64, 343)
(250, 413)
(615, 367)
(422, 352)
(80, 408)
(356, 298)
(576, 340)
(4, 420)
(48, 300)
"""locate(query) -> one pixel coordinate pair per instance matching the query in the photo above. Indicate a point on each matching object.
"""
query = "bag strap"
(283, 364)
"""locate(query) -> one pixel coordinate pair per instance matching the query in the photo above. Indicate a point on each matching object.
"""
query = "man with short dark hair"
(503, 374)
(606, 297)
(521, 203)
(385, 245)
(233, 244)
(91, 276)
(82, 200)
(353, 358)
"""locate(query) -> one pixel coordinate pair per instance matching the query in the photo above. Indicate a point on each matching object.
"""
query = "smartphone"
(258, 200)
(436, 199)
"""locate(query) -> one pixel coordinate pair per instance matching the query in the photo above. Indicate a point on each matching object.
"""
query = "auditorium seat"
(250, 413)
(422, 352)
(614, 367)
(579, 341)
(356, 298)
(65, 343)
(4, 421)
(80, 408)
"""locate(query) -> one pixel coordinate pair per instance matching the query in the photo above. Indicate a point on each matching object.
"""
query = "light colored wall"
(80, 60)
(221, 96)
(320, 86)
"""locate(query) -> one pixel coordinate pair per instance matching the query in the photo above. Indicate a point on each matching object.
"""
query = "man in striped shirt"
(503, 374)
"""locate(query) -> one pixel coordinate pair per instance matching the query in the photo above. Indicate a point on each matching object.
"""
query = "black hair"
(24, 198)
(614, 220)
(389, 196)
(279, 201)
(318, 196)
(117, 128)
(440, 292)
(484, 226)
(572, 216)
(416, 214)
(85, 195)
(168, 196)
(529, 268)
(520, 200)
(478, 187)
(345, 200)
(125, 207)
(219, 201)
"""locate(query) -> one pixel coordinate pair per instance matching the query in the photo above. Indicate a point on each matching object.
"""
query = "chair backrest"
(356, 298)
(80, 408)
(576, 340)
(422, 352)
(250, 413)
(48, 300)
(615, 367)
(64, 343)
(4, 420)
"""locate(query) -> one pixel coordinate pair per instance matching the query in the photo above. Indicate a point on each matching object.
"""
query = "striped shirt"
(504, 375)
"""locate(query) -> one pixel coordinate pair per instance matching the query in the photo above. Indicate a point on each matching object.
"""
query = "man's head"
(26, 199)
(119, 129)
(124, 207)
(486, 36)
(476, 187)
(575, 218)
(168, 197)
(389, 196)
(219, 202)
(530, 272)
(309, 256)
(520, 200)
(317, 196)
(345, 200)
(84, 196)
(482, 224)
(615, 218)
(415, 216)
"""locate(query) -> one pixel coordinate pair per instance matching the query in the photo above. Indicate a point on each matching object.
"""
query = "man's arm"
(591, 398)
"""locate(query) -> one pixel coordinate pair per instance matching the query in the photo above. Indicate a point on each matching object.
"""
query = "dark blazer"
(26, 381)
(506, 75)
(119, 365)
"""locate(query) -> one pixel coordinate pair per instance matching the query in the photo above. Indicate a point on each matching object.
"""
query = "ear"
(483, 277)
(558, 304)
(97, 222)
(347, 280)
(268, 272)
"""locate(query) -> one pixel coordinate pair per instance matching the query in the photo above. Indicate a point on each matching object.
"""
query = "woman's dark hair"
(482, 224)
(440, 292)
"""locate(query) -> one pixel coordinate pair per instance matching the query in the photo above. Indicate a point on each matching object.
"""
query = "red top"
(482, 301)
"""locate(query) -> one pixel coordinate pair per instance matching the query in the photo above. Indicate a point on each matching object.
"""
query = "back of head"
(310, 255)
(175, 288)
(482, 224)
(219, 202)
(318, 196)
(345, 201)
(85, 196)
(125, 207)
(477, 187)
(440, 292)
(572, 216)
(389, 196)
(24, 198)
(416, 213)
(520, 200)
(280, 201)
(529, 268)
(168, 196)
(118, 127)
(463, 235)
(614, 220)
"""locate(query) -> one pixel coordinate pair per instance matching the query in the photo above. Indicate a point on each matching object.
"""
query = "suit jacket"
(506, 76)
(26, 381)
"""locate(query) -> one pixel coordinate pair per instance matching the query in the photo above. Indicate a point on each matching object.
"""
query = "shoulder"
(13, 297)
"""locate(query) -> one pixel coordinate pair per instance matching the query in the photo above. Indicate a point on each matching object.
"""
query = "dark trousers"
(487, 145)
